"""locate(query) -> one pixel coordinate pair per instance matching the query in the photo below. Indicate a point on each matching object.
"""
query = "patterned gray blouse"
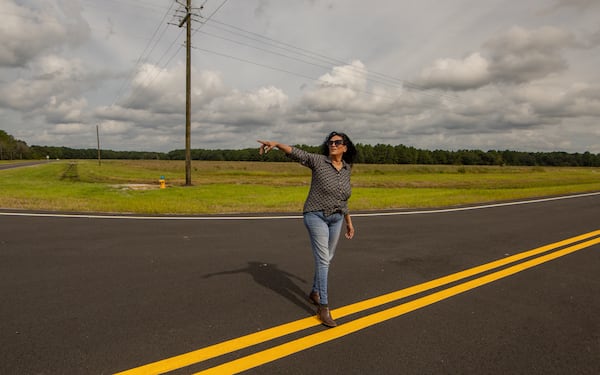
(329, 188)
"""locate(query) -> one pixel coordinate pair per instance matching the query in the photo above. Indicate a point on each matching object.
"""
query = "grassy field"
(250, 187)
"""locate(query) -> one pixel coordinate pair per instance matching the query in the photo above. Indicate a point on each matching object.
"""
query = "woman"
(325, 208)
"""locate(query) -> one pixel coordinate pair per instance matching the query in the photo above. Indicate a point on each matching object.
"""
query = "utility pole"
(98, 139)
(188, 88)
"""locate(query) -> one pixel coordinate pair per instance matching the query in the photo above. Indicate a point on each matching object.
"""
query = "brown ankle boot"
(325, 316)
(314, 298)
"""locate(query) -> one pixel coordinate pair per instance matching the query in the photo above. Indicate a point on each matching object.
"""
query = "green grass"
(250, 187)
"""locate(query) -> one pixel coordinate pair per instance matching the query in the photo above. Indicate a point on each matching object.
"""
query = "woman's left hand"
(349, 230)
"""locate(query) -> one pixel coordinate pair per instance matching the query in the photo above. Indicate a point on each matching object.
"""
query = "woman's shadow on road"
(275, 279)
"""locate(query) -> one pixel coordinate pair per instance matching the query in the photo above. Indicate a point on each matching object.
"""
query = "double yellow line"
(554, 250)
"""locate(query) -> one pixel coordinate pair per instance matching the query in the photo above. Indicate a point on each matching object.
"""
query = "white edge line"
(478, 207)
(395, 213)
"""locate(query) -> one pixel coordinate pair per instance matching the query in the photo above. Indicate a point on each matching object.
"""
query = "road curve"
(87, 295)
(22, 164)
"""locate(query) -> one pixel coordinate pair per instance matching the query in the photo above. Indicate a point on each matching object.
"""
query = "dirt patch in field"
(136, 186)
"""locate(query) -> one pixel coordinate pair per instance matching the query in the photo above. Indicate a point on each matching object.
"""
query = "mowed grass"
(253, 187)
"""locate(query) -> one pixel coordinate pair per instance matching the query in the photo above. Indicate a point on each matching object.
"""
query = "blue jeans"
(324, 232)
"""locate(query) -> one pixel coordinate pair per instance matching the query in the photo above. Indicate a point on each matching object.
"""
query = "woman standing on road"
(325, 208)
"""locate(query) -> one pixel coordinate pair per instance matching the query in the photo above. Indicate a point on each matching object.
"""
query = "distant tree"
(441, 157)
(11, 148)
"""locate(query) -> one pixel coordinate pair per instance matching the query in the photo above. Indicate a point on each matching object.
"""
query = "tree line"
(367, 154)
(11, 148)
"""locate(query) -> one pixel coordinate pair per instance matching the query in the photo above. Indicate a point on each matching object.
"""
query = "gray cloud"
(56, 80)
(522, 55)
(516, 56)
(29, 30)
(580, 5)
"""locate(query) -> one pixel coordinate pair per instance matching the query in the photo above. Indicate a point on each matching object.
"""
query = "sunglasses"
(337, 142)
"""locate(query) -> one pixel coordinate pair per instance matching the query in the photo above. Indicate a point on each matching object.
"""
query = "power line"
(289, 72)
(127, 82)
(137, 63)
(151, 80)
(354, 70)
(381, 77)
(271, 46)
(290, 51)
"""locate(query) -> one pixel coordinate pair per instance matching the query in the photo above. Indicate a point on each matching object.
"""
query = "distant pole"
(98, 139)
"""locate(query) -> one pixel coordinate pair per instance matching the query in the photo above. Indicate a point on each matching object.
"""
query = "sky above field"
(455, 74)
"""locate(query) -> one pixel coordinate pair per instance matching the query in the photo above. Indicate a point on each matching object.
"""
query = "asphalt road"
(103, 295)
(22, 164)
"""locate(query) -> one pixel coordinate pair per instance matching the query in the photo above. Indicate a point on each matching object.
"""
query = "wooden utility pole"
(188, 88)
(98, 139)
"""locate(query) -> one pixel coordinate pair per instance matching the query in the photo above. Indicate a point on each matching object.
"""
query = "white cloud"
(452, 74)
(339, 89)
(352, 76)
(112, 127)
(69, 129)
(242, 109)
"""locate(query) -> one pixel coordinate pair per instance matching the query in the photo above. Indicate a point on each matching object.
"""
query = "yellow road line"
(200, 355)
(306, 342)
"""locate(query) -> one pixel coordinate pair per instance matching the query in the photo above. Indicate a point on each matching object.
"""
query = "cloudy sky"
(455, 74)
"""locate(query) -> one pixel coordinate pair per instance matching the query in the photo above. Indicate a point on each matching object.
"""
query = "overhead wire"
(161, 68)
(355, 71)
(371, 75)
(277, 48)
(213, 13)
(141, 57)
(328, 84)
(314, 58)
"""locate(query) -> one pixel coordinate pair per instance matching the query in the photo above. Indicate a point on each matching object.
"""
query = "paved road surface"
(99, 295)
(22, 164)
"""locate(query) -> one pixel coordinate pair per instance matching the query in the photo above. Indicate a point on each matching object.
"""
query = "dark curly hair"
(350, 153)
